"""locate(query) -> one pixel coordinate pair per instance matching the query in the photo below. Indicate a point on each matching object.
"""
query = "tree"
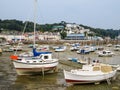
(63, 35)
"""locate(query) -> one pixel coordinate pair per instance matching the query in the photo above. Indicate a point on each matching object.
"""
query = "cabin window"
(45, 57)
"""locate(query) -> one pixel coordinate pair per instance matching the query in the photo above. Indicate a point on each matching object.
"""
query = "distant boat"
(80, 61)
(74, 48)
(60, 49)
(8, 50)
(109, 45)
(116, 47)
(43, 48)
(16, 48)
(89, 74)
(83, 51)
(100, 48)
(105, 53)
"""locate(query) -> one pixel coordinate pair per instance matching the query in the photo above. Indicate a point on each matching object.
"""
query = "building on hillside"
(75, 28)
(75, 37)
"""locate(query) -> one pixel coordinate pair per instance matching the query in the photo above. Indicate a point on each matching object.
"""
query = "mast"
(35, 7)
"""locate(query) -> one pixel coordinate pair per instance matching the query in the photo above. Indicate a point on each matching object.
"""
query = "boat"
(38, 63)
(43, 48)
(26, 54)
(16, 48)
(118, 69)
(117, 47)
(8, 50)
(79, 61)
(100, 48)
(105, 53)
(60, 49)
(74, 48)
(91, 73)
(83, 51)
(73, 59)
(109, 45)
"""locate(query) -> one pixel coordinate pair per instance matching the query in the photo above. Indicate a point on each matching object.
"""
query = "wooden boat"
(89, 74)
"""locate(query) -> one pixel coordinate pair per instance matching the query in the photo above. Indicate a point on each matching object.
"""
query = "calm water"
(9, 80)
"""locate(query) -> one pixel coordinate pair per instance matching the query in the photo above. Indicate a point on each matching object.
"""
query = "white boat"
(16, 48)
(40, 62)
(109, 45)
(26, 54)
(60, 49)
(118, 69)
(90, 48)
(105, 53)
(74, 48)
(117, 48)
(89, 74)
(8, 50)
(36, 64)
(83, 51)
(43, 48)
(82, 61)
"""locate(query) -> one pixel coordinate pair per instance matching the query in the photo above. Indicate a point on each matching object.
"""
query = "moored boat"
(117, 48)
(60, 49)
(105, 53)
(16, 48)
(40, 61)
(35, 63)
(89, 74)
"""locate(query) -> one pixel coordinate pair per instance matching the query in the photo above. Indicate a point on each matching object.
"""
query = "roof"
(76, 35)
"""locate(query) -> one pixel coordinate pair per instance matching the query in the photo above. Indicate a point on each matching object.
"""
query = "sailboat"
(39, 62)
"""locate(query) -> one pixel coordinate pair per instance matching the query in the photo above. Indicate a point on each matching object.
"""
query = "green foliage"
(63, 35)
(16, 25)
(103, 32)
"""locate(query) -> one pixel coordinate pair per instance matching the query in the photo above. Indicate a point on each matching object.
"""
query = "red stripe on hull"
(79, 81)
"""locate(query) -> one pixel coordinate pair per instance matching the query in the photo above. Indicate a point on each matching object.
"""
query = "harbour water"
(9, 80)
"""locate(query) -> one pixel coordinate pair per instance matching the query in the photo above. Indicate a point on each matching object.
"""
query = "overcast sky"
(95, 13)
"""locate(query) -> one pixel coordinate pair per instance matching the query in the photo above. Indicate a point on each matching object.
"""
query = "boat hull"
(34, 68)
(82, 79)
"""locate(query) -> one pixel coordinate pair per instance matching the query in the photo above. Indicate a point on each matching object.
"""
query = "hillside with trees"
(17, 25)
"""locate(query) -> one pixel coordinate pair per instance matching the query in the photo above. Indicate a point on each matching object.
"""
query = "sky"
(103, 14)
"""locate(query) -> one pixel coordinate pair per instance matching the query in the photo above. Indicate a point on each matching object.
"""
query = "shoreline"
(82, 42)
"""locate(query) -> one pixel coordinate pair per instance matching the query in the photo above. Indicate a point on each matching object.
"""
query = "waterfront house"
(75, 37)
